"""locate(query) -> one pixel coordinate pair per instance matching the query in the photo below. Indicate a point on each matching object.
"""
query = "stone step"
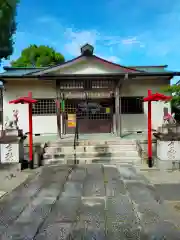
(86, 160)
(97, 148)
(93, 142)
(53, 161)
(92, 154)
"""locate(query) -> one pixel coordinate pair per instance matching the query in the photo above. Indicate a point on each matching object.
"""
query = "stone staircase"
(92, 151)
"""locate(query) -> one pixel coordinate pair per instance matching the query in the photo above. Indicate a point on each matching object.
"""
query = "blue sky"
(129, 32)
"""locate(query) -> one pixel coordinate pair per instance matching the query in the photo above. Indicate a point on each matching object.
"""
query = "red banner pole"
(30, 132)
(149, 132)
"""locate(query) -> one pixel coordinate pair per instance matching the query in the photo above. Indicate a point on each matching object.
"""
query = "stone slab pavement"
(90, 202)
(11, 177)
(167, 184)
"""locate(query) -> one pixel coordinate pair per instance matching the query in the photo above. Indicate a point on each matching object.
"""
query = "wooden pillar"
(58, 107)
(63, 120)
(120, 117)
(117, 110)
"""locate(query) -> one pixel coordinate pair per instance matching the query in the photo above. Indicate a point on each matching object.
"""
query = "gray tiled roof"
(152, 69)
(23, 71)
(19, 71)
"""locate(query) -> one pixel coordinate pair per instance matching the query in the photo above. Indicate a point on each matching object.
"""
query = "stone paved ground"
(167, 184)
(11, 177)
(87, 202)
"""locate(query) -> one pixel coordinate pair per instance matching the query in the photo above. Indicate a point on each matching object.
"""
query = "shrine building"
(113, 93)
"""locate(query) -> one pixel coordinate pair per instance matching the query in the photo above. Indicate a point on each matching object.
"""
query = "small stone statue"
(169, 118)
(12, 124)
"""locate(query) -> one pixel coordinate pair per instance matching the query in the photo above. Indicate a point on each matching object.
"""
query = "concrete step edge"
(91, 152)
(105, 161)
(53, 161)
(120, 151)
(96, 158)
(95, 142)
(91, 147)
(85, 154)
(95, 146)
(92, 155)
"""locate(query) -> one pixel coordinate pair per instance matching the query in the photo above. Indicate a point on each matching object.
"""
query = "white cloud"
(163, 39)
(114, 59)
(51, 31)
(159, 40)
(71, 39)
(75, 39)
(110, 58)
(156, 30)
(130, 41)
(109, 44)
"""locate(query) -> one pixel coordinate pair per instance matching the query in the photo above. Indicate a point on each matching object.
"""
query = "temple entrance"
(93, 115)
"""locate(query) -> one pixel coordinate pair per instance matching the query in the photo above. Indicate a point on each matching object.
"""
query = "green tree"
(38, 56)
(174, 91)
(7, 27)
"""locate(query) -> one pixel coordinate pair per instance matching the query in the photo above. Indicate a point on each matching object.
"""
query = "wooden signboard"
(90, 94)
(71, 120)
(108, 110)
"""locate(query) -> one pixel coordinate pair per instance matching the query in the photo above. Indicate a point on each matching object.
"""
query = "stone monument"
(11, 146)
(168, 143)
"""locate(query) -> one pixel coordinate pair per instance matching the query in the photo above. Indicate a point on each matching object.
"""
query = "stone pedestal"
(168, 154)
(11, 147)
(10, 153)
(168, 150)
(168, 146)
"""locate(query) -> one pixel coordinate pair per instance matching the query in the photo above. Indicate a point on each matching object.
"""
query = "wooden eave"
(91, 76)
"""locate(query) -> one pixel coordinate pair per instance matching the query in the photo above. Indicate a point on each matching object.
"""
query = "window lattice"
(132, 105)
(44, 107)
(102, 84)
(87, 84)
(72, 84)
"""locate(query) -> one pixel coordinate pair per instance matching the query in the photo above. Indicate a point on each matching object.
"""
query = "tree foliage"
(38, 56)
(174, 90)
(7, 27)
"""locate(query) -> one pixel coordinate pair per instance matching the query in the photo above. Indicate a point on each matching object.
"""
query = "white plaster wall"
(138, 122)
(15, 89)
(89, 67)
